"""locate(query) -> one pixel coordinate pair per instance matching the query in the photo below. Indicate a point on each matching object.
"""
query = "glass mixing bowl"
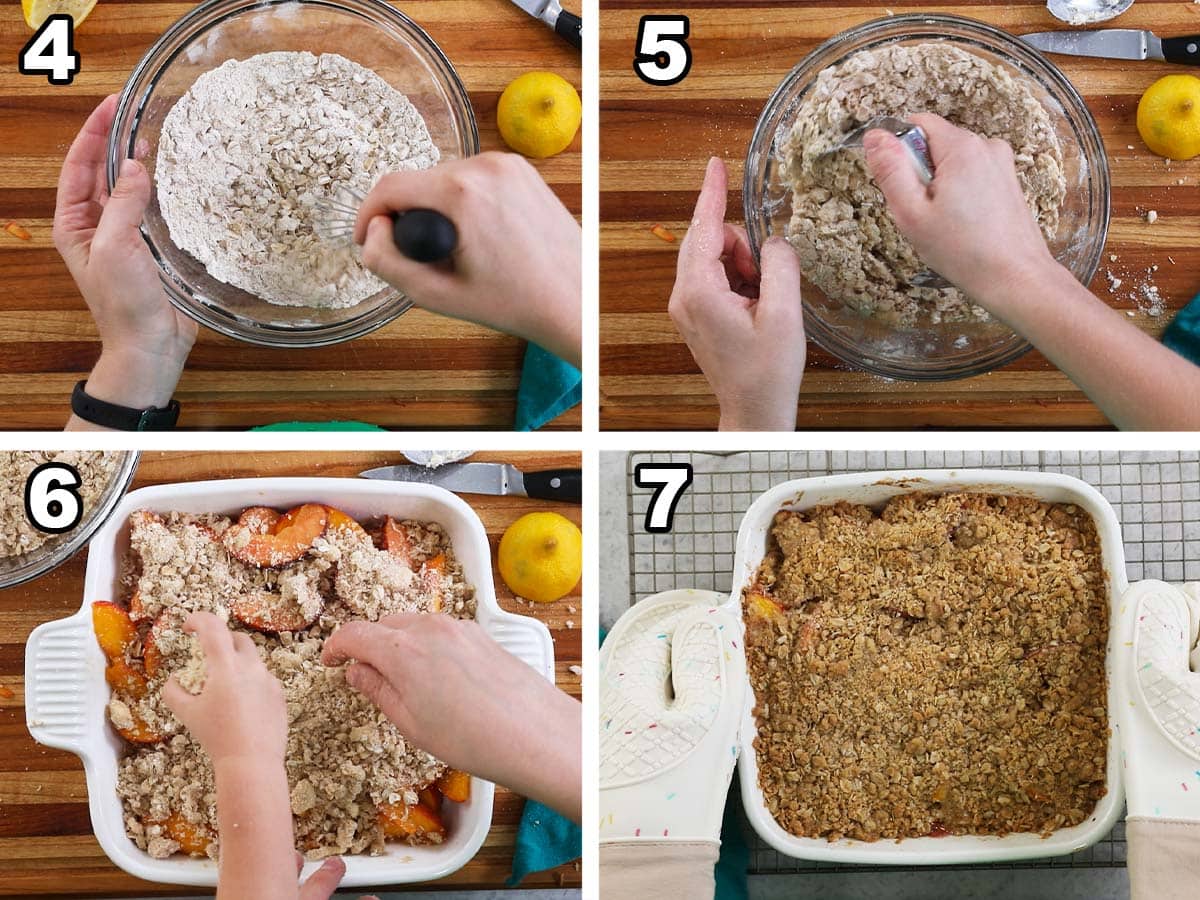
(61, 547)
(947, 350)
(368, 32)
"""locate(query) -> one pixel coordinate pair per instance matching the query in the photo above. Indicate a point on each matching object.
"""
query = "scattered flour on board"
(248, 150)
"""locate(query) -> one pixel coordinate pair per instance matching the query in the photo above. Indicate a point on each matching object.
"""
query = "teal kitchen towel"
(549, 387)
(1183, 334)
(544, 840)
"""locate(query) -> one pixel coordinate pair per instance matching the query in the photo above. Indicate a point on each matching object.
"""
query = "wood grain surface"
(421, 371)
(655, 142)
(46, 842)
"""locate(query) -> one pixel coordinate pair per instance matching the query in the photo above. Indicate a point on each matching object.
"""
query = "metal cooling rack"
(1156, 496)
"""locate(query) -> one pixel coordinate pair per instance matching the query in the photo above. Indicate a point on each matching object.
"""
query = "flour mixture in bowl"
(17, 535)
(249, 149)
(848, 244)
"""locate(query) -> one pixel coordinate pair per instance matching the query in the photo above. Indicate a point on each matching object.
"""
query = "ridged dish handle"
(56, 692)
(525, 638)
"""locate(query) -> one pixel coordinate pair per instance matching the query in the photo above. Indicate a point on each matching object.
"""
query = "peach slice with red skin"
(140, 732)
(455, 785)
(399, 820)
(266, 612)
(115, 631)
(260, 541)
(192, 839)
(137, 608)
(398, 542)
(431, 798)
(151, 654)
(339, 519)
(125, 678)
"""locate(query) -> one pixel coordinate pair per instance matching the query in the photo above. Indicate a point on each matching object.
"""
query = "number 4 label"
(51, 51)
(662, 55)
(52, 501)
(669, 481)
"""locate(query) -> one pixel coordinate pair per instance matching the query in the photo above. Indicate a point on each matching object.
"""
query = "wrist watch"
(122, 418)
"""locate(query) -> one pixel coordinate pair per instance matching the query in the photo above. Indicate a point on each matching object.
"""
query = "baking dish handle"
(525, 638)
(56, 682)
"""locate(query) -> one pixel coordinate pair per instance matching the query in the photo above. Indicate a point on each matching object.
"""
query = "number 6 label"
(662, 55)
(52, 501)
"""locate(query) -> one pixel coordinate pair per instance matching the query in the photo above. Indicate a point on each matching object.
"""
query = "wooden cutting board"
(421, 371)
(46, 842)
(655, 142)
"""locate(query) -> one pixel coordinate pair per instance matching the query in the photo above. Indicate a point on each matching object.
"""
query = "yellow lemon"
(538, 114)
(38, 11)
(541, 556)
(1168, 116)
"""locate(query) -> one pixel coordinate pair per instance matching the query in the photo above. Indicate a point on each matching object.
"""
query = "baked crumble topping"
(346, 763)
(936, 668)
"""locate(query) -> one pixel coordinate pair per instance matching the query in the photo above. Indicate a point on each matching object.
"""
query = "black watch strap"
(123, 418)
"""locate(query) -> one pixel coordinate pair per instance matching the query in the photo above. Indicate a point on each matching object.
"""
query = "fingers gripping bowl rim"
(369, 32)
(944, 351)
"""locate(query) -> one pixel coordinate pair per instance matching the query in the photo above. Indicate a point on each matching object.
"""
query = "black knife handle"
(555, 484)
(569, 27)
(424, 235)
(1182, 50)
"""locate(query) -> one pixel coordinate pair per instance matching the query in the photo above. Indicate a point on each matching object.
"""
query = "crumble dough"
(848, 244)
(344, 758)
(249, 149)
(936, 668)
(17, 535)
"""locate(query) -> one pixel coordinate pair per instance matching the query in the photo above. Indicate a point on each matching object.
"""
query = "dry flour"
(245, 154)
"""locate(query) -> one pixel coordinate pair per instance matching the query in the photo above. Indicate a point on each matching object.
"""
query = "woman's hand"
(240, 713)
(459, 695)
(145, 341)
(971, 225)
(746, 332)
(517, 266)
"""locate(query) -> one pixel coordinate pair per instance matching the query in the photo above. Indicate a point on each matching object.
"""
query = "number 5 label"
(662, 55)
(51, 51)
(52, 501)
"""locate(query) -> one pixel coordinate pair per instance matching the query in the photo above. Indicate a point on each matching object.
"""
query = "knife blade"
(1118, 43)
(497, 479)
(566, 25)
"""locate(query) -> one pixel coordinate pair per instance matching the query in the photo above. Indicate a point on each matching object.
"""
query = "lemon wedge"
(38, 11)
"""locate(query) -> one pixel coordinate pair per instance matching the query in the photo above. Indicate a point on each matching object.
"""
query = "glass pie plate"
(59, 548)
(368, 32)
(946, 350)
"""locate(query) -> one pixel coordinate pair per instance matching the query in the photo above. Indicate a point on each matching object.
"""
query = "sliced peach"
(455, 785)
(430, 798)
(437, 563)
(193, 839)
(151, 654)
(761, 606)
(339, 519)
(417, 821)
(114, 629)
(289, 538)
(259, 519)
(126, 679)
(140, 733)
(268, 613)
(398, 542)
(143, 518)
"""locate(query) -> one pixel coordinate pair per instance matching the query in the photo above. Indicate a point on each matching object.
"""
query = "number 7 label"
(670, 481)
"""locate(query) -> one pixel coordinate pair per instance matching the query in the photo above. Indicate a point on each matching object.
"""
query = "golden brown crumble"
(936, 668)
(344, 759)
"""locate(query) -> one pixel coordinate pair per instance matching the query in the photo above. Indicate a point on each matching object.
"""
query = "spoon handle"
(1182, 50)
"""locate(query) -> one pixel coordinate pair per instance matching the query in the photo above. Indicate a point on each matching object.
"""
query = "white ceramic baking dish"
(66, 694)
(874, 489)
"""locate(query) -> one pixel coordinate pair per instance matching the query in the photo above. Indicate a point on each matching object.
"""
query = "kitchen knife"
(499, 479)
(1118, 43)
(567, 25)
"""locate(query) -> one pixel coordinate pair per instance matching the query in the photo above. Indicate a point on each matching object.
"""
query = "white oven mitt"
(672, 686)
(1158, 681)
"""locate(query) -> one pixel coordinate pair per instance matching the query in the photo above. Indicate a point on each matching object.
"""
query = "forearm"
(255, 821)
(545, 761)
(131, 378)
(1136, 381)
